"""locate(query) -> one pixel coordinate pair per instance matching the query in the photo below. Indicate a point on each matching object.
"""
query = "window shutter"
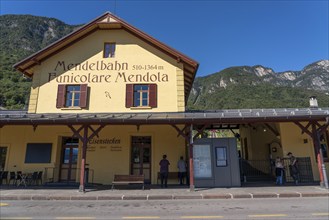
(153, 95)
(129, 95)
(60, 102)
(83, 95)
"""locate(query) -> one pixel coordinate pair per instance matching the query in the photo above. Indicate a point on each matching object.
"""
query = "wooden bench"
(128, 179)
(171, 175)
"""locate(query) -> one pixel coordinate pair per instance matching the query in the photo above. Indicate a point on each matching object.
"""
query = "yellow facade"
(135, 62)
(104, 159)
(79, 59)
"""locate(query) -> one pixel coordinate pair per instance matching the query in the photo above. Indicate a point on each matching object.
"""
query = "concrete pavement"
(155, 193)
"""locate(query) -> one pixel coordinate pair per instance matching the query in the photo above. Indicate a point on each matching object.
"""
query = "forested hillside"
(261, 87)
(21, 36)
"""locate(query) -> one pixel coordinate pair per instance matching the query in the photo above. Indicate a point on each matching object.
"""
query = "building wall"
(258, 141)
(105, 159)
(301, 145)
(135, 62)
(291, 140)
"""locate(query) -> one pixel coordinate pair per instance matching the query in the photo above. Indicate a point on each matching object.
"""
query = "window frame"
(112, 49)
(37, 153)
(62, 96)
(152, 96)
(73, 98)
(140, 92)
(218, 159)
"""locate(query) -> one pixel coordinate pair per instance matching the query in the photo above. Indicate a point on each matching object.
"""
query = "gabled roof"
(108, 21)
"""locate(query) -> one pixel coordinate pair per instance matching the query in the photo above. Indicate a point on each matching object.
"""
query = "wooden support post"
(84, 139)
(316, 145)
(83, 159)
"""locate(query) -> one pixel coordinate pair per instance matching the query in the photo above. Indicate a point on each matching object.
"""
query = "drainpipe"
(191, 159)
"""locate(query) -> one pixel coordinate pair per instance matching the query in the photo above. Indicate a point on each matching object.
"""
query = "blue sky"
(281, 34)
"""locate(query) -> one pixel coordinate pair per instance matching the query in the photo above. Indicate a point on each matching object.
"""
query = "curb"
(167, 197)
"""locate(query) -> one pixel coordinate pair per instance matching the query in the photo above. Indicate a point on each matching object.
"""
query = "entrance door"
(141, 156)
(3, 157)
(70, 151)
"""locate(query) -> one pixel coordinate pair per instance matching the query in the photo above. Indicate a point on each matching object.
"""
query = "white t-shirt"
(181, 165)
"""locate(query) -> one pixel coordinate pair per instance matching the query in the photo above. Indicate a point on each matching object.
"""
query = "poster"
(202, 161)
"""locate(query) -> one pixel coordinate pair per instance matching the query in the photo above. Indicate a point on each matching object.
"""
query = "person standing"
(293, 167)
(278, 171)
(164, 169)
(181, 165)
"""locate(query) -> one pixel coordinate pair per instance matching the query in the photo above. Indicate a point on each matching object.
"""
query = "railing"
(255, 170)
(264, 170)
(305, 170)
(52, 175)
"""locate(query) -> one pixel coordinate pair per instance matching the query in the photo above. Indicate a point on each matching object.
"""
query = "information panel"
(202, 161)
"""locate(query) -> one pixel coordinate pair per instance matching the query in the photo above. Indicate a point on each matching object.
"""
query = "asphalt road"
(290, 208)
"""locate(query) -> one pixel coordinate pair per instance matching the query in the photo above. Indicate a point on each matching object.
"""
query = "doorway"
(3, 157)
(68, 167)
(141, 157)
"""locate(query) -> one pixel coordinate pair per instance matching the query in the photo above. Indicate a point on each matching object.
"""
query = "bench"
(128, 179)
(171, 175)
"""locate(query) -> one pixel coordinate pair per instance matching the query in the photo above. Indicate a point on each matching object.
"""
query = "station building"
(111, 99)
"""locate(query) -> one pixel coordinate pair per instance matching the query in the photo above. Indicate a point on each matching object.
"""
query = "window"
(141, 95)
(70, 96)
(38, 153)
(221, 157)
(109, 50)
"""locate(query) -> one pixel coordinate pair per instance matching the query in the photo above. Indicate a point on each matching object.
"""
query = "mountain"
(261, 87)
(21, 36)
(234, 87)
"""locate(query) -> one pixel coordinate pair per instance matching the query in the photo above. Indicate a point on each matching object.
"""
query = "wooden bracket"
(184, 132)
(304, 129)
(199, 131)
(76, 132)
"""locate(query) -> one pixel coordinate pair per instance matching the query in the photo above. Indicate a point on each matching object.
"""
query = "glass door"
(141, 157)
(69, 161)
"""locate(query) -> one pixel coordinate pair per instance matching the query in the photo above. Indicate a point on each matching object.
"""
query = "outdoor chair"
(18, 177)
(4, 176)
(39, 178)
(34, 178)
(12, 177)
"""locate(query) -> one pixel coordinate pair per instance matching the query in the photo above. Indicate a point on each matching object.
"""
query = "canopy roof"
(233, 116)
(108, 21)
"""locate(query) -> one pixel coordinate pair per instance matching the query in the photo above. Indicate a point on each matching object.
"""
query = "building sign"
(111, 72)
(104, 143)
